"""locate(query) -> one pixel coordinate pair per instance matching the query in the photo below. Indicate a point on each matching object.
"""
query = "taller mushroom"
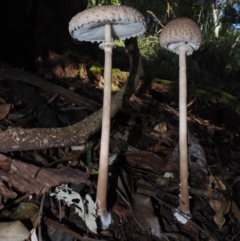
(103, 24)
(182, 36)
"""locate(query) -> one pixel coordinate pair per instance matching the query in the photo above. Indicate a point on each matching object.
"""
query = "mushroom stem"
(184, 189)
(101, 199)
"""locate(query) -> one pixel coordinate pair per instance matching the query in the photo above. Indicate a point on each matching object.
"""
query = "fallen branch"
(16, 139)
(17, 74)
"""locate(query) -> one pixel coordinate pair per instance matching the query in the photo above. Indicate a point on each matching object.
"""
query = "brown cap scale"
(181, 31)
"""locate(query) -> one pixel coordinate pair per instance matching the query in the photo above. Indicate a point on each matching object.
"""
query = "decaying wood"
(15, 139)
(28, 178)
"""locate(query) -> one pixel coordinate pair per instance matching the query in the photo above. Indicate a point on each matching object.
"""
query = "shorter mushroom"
(182, 36)
(102, 24)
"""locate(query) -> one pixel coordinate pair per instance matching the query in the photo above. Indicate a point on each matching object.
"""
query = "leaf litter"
(143, 189)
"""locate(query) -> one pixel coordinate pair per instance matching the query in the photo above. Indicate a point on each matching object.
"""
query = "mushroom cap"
(89, 25)
(179, 32)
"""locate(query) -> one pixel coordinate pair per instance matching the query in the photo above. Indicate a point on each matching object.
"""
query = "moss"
(208, 93)
(164, 82)
(204, 93)
(71, 74)
(119, 43)
(117, 73)
(82, 71)
(118, 76)
(96, 69)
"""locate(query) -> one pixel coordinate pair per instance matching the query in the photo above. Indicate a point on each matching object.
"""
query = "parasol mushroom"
(182, 36)
(102, 24)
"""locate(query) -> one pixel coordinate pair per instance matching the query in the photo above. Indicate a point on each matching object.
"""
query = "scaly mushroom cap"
(181, 31)
(89, 25)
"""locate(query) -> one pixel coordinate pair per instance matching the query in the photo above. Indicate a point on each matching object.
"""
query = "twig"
(169, 7)
(159, 22)
(190, 103)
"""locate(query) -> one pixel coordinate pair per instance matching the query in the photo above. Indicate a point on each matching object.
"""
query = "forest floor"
(143, 192)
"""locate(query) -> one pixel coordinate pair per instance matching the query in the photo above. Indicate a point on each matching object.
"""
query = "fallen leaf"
(13, 231)
(221, 208)
(144, 214)
(4, 110)
(146, 160)
(26, 211)
(123, 213)
(5, 162)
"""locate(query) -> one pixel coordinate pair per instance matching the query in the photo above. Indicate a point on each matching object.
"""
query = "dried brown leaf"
(4, 110)
(146, 160)
(5, 162)
(144, 214)
(123, 213)
(221, 208)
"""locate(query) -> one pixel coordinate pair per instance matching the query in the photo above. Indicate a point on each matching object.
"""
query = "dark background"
(31, 28)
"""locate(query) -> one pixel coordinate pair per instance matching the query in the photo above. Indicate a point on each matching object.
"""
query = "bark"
(15, 139)
(28, 178)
